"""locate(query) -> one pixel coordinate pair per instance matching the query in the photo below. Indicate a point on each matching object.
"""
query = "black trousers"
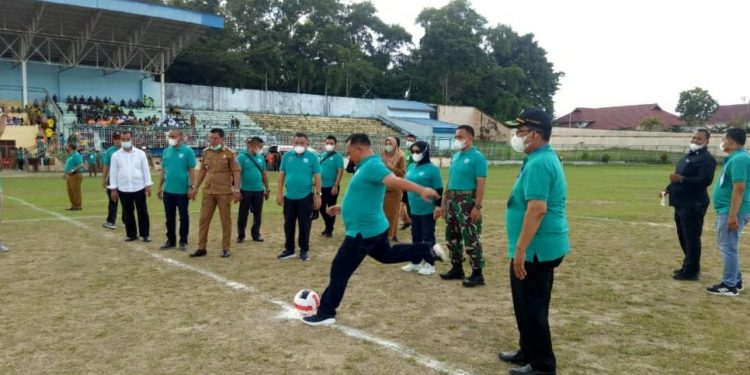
(328, 200)
(252, 202)
(298, 212)
(172, 204)
(131, 202)
(531, 298)
(689, 221)
(351, 254)
(423, 230)
(111, 208)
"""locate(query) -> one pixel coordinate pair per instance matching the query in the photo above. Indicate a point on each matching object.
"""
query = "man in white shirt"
(130, 181)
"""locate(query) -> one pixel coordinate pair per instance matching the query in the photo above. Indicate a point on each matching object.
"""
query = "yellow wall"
(23, 135)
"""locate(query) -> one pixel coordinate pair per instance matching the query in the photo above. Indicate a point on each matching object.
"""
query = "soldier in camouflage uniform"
(463, 205)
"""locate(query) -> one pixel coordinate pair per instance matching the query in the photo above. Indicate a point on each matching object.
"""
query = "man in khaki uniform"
(219, 168)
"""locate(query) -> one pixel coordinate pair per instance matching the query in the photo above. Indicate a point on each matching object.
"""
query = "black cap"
(115, 135)
(533, 118)
(254, 139)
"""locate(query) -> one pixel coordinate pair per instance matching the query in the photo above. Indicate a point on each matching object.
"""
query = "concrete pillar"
(24, 84)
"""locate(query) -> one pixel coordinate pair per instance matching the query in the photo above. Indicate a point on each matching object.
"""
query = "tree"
(696, 106)
(651, 123)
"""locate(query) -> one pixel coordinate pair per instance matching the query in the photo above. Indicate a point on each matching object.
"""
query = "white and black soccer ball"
(306, 302)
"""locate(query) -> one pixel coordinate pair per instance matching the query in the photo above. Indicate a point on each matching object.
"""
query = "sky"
(616, 52)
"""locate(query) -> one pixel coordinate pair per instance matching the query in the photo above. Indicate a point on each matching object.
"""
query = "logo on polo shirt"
(421, 173)
(181, 155)
(467, 160)
(305, 160)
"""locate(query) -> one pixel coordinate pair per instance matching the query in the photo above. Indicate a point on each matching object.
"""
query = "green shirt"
(362, 208)
(252, 177)
(92, 158)
(736, 169)
(108, 155)
(541, 178)
(409, 159)
(329, 168)
(428, 175)
(19, 155)
(177, 161)
(73, 160)
(299, 171)
(466, 166)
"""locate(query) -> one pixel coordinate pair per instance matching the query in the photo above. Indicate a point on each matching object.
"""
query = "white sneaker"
(411, 267)
(427, 269)
(439, 252)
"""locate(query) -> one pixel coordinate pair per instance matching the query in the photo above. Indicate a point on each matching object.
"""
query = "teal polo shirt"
(299, 171)
(428, 175)
(92, 158)
(107, 156)
(541, 178)
(74, 159)
(177, 161)
(466, 166)
(736, 169)
(252, 177)
(329, 168)
(362, 208)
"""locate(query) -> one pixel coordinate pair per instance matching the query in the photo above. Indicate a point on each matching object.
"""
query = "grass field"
(77, 299)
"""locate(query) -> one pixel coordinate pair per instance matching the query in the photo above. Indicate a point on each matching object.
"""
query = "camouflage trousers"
(460, 232)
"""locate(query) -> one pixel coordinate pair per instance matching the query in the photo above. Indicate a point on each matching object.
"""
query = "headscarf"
(394, 157)
(424, 148)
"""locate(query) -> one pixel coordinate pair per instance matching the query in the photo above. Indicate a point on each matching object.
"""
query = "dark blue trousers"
(173, 203)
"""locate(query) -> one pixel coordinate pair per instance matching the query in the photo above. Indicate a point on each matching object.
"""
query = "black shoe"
(131, 239)
(318, 320)
(328, 235)
(183, 246)
(406, 225)
(146, 239)
(678, 270)
(476, 279)
(240, 240)
(513, 357)
(225, 253)
(199, 253)
(456, 273)
(323, 233)
(739, 286)
(304, 255)
(167, 245)
(259, 239)
(528, 370)
(394, 239)
(685, 276)
(286, 254)
(723, 290)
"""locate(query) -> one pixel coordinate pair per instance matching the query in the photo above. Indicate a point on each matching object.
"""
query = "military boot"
(456, 273)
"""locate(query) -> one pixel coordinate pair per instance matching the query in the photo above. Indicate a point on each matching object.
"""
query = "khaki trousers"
(73, 183)
(208, 207)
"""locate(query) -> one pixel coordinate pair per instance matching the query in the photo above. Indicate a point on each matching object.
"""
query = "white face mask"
(518, 143)
(695, 147)
(722, 146)
(459, 144)
(388, 148)
(417, 157)
(127, 144)
(172, 142)
(409, 144)
(216, 148)
(330, 148)
(299, 150)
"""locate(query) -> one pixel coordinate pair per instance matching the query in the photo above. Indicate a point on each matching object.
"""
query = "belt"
(461, 192)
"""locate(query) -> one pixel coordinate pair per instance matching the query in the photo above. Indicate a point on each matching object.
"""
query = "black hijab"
(424, 148)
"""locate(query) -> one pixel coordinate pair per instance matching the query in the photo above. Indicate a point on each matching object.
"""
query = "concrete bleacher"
(282, 124)
(220, 119)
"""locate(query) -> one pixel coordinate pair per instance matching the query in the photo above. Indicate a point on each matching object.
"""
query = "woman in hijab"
(423, 214)
(395, 161)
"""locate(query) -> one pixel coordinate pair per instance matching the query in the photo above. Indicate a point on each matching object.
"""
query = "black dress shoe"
(685, 276)
(678, 270)
(259, 239)
(456, 273)
(528, 370)
(329, 235)
(240, 240)
(513, 357)
(147, 239)
(476, 279)
(199, 253)
(131, 239)
(167, 245)
(183, 246)
(225, 253)
(323, 233)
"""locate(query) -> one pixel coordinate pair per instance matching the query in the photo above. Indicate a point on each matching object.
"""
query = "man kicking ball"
(367, 227)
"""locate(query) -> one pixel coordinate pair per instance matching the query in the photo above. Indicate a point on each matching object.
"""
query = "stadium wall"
(25, 136)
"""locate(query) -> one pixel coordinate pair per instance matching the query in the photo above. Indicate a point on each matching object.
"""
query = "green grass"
(76, 299)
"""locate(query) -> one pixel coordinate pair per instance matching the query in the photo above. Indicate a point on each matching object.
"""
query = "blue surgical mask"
(216, 148)
(126, 144)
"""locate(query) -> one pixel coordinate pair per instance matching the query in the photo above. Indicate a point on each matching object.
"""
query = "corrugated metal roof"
(407, 105)
(147, 10)
(437, 126)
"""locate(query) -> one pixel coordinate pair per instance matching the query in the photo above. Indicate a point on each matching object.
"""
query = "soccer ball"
(306, 302)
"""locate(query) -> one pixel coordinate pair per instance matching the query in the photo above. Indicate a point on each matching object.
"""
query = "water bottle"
(663, 198)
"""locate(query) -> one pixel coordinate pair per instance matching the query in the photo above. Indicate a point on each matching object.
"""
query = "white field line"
(288, 312)
(707, 226)
(77, 217)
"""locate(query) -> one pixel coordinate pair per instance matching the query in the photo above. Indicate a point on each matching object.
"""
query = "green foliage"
(651, 123)
(696, 106)
(664, 158)
(605, 158)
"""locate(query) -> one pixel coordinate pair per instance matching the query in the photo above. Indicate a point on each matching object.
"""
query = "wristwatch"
(319, 193)
(478, 206)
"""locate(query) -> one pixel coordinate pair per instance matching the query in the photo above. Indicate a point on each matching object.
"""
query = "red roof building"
(618, 118)
(727, 113)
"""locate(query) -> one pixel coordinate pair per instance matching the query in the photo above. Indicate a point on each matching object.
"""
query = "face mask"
(388, 148)
(216, 148)
(722, 146)
(172, 142)
(518, 143)
(126, 144)
(330, 148)
(417, 157)
(299, 150)
(459, 144)
(695, 147)
(409, 144)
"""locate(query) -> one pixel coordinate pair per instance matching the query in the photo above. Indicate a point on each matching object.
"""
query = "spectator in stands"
(68, 100)
(463, 214)
(688, 195)
(423, 173)
(74, 177)
(405, 209)
(220, 168)
(3, 123)
(131, 104)
(300, 175)
(396, 162)
(176, 187)
(122, 103)
(331, 171)
(90, 101)
(193, 119)
(112, 205)
(254, 188)
(130, 182)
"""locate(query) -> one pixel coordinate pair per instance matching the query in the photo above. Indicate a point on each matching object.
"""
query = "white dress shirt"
(128, 171)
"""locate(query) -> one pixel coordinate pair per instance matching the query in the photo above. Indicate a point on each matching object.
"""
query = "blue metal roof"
(148, 10)
(437, 126)
(407, 105)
